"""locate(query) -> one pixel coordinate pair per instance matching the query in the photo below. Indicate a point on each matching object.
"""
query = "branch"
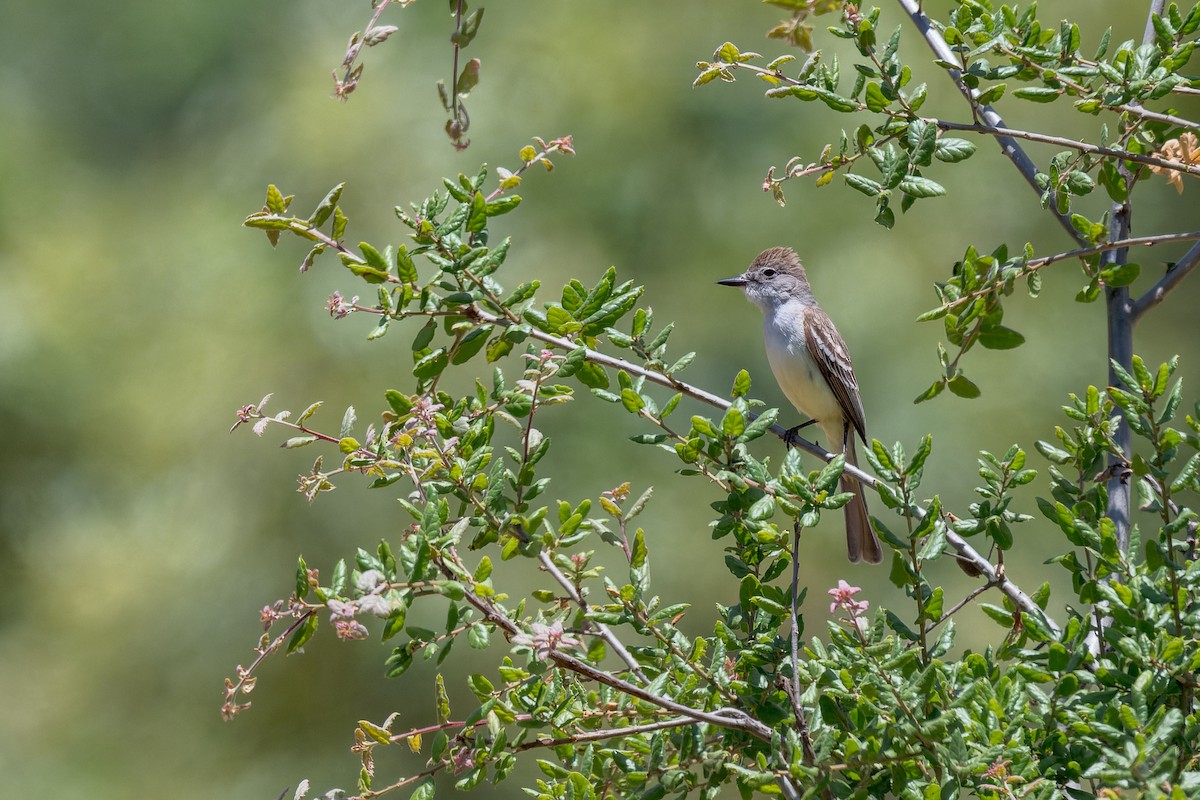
(605, 733)
(1035, 264)
(1175, 275)
(1008, 143)
(349, 80)
(965, 551)
(1074, 144)
(732, 718)
(605, 632)
(810, 756)
(1156, 10)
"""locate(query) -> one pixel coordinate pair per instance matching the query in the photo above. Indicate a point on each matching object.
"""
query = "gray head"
(775, 277)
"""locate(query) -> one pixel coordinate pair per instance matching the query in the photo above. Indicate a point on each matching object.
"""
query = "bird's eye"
(768, 273)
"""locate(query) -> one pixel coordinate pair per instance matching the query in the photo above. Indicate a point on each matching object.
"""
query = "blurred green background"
(138, 539)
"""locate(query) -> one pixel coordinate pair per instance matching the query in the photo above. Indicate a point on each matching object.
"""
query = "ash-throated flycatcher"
(812, 366)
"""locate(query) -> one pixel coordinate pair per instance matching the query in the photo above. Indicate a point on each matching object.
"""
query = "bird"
(812, 366)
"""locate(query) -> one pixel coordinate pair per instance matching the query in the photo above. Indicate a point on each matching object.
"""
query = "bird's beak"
(740, 280)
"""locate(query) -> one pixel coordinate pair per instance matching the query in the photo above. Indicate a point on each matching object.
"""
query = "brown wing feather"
(828, 349)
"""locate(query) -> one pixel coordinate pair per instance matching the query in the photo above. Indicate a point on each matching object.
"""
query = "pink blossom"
(339, 307)
(339, 609)
(350, 629)
(545, 639)
(464, 759)
(843, 598)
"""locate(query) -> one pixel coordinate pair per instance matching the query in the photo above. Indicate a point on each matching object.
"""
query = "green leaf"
(741, 384)
(874, 97)
(424, 336)
(1037, 94)
(477, 217)
(395, 622)
(734, 422)
(398, 662)
(340, 575)
(834, 100)
(400, 403)
(470, 345)
(919, 457)
(325, 208)
(375, 732)
(682, 363)
(637, 557)
(933, 391)
(865, 185)
(367, 273)
(301, 579)
(468, 79)
(593, 376)
(760, 425)
(922, 138)
(727, 53)
(469, 28)
(276, 202)
(963, 387)
(917, 186)
(303, 633)
(406, 270)
(424, 790)
(432, 364)
(503, 205)
(953, 150)
(1120, 274)
(1079, 182)
(991, 94)
(481, 686)
(1000, 337)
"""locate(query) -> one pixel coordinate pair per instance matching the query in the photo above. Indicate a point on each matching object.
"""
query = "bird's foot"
(790, 437)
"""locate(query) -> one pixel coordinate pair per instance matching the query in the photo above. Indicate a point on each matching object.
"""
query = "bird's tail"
(861, 542)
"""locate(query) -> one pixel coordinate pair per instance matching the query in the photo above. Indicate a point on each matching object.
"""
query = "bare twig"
(810, 755)
(605, 632)
(959, 606)
(1175, 275)
(1035, 264)
(1073, 144)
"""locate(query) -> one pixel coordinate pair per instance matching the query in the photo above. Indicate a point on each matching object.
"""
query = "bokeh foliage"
(133, 538)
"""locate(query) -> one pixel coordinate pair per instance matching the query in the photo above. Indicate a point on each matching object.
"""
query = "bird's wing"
(828, 349)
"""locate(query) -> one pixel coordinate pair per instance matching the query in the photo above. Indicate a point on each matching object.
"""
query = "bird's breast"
(795, 370)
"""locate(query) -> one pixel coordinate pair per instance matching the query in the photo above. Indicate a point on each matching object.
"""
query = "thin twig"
(605, 632)
(1034, 264)
(606, 733)
(1073, 144)
(1175, 275)
(810, 756)
(723, 717)
(352, 53)
(961, 604)
(1008, 144)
